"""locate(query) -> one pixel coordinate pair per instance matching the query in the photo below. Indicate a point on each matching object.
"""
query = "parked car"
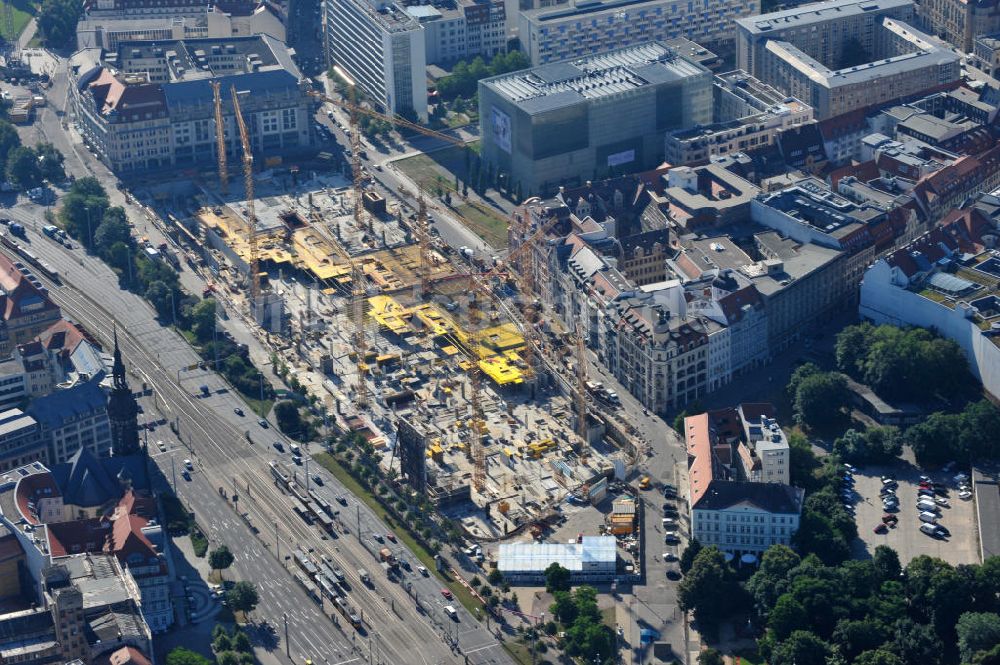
(931, 530)
(965, 495)
(941, 501)
(942, 530)
(881, 528)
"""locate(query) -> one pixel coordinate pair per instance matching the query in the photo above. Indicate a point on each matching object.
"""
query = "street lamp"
(90, 237)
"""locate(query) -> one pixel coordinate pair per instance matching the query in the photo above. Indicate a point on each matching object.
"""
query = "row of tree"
(464, 78)
(872, 612)
(973, 434)
(87, 215)
(577, 614)
(910, 364)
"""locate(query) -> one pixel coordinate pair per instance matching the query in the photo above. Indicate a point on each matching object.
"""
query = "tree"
(801, 372)
(220, 558)
(50, 162)
(689, 554)
(977, 631)
(935, 441)
(914, 643)
(22, 168)
(243, 597)
(158, 294)
(9, 139)
(787, 616)
(495, 577)
(879, 657)
(770, 579)
(817, 535)
(202, 319)
(856, 637)
(289, 418)
(241, 642)
(112, 229)
(556, 578)
(221, 642)
(709, 589)
(182, 656)
(887, 563)
(711, 656)
(820, 399)
(227, 658)
(57, 21)
(851, 349)
(801, 648)
(564, 608)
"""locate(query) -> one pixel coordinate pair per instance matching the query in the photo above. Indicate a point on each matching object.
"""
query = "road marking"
(482, 648)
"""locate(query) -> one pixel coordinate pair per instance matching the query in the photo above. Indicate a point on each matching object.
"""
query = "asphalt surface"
(396, 617)
(223, 457)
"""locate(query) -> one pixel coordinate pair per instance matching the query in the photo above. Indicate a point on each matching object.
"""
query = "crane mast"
(251, 216)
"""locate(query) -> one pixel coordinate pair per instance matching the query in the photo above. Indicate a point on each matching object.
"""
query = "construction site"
(429, 354)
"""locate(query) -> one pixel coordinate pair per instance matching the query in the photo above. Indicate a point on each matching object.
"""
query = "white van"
(929, 518)
(928, 506)
(929, 529)
(451, 612)
(296, 451)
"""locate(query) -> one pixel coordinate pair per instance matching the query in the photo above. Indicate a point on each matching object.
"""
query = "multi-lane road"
(213, 436)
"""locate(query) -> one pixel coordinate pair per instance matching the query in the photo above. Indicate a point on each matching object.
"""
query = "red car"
(446, 594)
(881, 528)
(391, 536)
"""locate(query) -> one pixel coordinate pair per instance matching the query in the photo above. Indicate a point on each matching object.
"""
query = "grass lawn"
(520, 652)
(438, 169)
(460, 592)
(261, 408)
(486, 222)
(748, 657)
(198, 542)
(22, 14)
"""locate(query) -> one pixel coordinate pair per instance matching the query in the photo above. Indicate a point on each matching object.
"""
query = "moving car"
(263, 423)
(188, 465)
(238, 411)
(446, 593)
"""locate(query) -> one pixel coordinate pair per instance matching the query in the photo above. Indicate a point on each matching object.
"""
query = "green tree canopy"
(709, 589)
(57, 21)
(243, 597)
(820, 400)
(711, 656)
(977, 631)
(50, 162)
(182, 656)
(801, 648)
(220, 558)
(556, 578)
(22, 168)
(202, 318)
(286, 412)
(689, 554)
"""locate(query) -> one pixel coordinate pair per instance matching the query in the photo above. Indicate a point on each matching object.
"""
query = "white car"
(162, 446)
(188, 465)
(965, 495)
(941, 501)
(669, 557)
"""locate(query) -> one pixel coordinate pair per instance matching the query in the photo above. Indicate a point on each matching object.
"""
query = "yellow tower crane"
(251, 216)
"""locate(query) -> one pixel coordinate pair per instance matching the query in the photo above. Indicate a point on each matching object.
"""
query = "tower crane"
(220, 138)
(251, 216)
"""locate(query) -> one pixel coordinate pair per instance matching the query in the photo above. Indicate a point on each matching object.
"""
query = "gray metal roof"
(569, 82)
(594, 553)
(817, 12)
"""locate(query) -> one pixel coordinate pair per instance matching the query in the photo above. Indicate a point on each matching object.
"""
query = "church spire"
(123, 411)
(119, 380)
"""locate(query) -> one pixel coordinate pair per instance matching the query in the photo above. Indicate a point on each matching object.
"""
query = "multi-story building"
(107, 28)
(826, 31)
(959, 22)
(946, 280)
(566, 123)
(73, 419)
(986, 54)
(25, 306)
(461, 29)
(577, 30)
(749, 115)
(150, 106)
(20, 441)
(381, 48)
(740, 502)
(811, 53)
(705, 197)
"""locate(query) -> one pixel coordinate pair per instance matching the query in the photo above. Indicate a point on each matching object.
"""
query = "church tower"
(123, 412)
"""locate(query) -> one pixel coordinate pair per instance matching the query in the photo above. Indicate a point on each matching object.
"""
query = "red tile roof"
(697, 438)
(30, 488)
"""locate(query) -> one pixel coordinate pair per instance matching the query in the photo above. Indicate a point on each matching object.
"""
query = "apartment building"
(566, 123)
(822, 30)
(739, 515)
(563, 32)
(381, 47)
(25, 307)
(107, 29)
(461, 29)
(959, 22)
(150, 106)
(802, 52)
(748, 115)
